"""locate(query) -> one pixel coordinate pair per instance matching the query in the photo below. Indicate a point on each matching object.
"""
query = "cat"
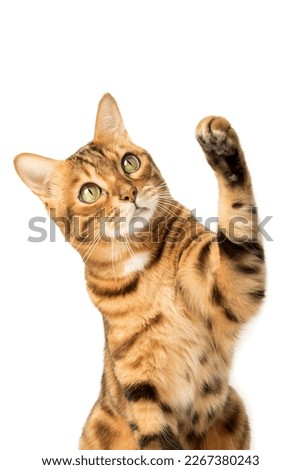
(173, 294)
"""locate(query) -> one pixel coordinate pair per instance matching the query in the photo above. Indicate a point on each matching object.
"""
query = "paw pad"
(216, 136)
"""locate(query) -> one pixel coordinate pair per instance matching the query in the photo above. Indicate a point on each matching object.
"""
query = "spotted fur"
(173, 295)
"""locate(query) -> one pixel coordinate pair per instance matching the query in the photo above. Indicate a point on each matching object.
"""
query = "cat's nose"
(128, 193)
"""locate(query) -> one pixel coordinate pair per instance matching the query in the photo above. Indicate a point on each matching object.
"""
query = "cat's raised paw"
(216, 136)
(222, 149)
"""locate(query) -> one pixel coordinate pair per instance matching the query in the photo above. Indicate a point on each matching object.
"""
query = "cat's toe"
(216, 136)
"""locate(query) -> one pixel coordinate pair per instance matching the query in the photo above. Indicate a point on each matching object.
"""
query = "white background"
(168, 64)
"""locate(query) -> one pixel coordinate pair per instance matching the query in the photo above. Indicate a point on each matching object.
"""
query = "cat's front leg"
(223, 274)
(240, 273)
(105, 429)
(223, 152)
(145, 422)
(150, 418)
(238, 219)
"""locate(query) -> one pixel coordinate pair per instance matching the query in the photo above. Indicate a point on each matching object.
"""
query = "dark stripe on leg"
(204, 255)
(218, 300)
(213, 387)
(134, 427)
(257, 295)
(165, 440)
(216, 295)
(147, 439)
(165, 408)
(236, 168)
(195, 418)
(142, 391)
(237, 250)
(230, 315)
(194, 439)
(237, 205)
(233, 419)
(245, 269)
(104, 435)
(244, 443)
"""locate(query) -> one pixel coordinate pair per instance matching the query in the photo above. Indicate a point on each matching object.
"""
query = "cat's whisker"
(162, 208)
(84, 240)
(169, 208)
(91, 248)
(167, 201)
(79, 247)
(165, 192)
(131, 253)
(166, 195)
(165, 208)
(170, 202)
(112, 260)
(162, 185)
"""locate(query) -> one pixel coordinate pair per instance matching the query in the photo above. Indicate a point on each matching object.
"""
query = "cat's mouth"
(130, 217)
(139, 210)
(136, 211)
(128, 210)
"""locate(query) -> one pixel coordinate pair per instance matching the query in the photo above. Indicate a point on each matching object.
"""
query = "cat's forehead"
(105, 160)
(97, 157)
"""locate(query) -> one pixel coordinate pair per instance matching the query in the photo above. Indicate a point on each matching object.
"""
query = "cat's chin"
(136, 223)
(130, 222)
(140, 220)
(143, 213)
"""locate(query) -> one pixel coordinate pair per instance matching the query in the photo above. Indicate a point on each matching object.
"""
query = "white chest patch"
(136, 263)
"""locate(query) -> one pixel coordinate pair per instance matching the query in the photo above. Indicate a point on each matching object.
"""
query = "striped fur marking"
(165, 237)
(134, 427)
(218, 300)
(237, 205)
(128, 288)
(121, 350)
(164, 440)
(214, 387)
(204, 255)
(257, 295)
(141, 391)
(237, 250)
(233, 420)
(245, 269)
(165, 408)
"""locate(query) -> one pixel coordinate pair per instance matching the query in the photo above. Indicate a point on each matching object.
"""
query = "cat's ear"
(38, 173)
(108, 119)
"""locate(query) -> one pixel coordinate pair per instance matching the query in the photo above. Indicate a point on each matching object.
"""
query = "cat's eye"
(130, 163)
(89, 193)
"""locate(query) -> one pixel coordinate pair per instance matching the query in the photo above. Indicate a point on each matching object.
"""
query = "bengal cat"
(173, 294)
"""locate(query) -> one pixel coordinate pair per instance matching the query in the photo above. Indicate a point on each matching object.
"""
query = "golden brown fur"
(173, 295)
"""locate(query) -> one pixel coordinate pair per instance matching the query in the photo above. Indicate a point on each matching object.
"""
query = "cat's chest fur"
(158, 340)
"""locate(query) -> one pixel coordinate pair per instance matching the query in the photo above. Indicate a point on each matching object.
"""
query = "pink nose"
(128, 193)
